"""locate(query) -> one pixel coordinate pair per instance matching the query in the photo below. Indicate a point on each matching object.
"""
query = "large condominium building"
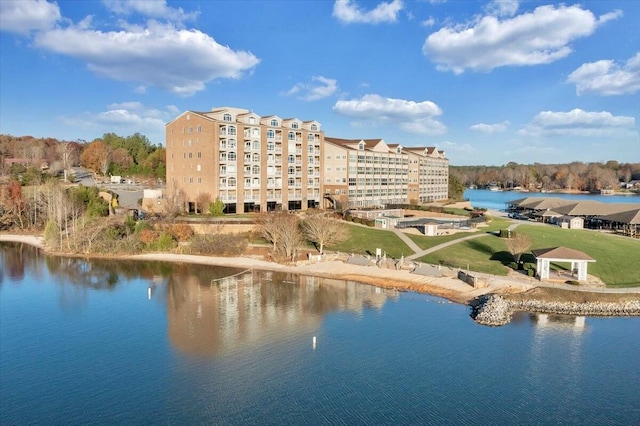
(251, 163)
(370, 173)
(255, 163)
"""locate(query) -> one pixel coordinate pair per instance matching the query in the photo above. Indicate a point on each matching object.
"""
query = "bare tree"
(322, 230)
(268, 227)
(283, 231)
(292, 237)
(68, 154)
(517, 244)
(202, 202)
(174, 200)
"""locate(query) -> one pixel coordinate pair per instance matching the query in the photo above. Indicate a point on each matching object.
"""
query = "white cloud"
(428, 22)
(319, 88)
(347, 11)
(411, 116)
(607, 78)
(579, 123)
(532, 38)
(125, 119)
(24, 16)
(490, 128)
(151, 9)
(502, 7)
(177, 60)
(452, 146)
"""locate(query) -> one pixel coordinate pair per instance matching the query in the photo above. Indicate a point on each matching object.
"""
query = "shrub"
(370, 222)
(357, 220)
(180, 231)
(531, 272)
(572, 282)
(218, 244)
(164, 242)
(514, 266)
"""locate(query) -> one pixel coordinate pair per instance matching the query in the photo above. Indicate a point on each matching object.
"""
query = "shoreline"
(449, 288)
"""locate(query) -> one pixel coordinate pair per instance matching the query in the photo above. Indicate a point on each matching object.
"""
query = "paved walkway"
(418, 252)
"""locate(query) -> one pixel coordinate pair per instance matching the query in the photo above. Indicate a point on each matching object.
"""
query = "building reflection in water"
(254, 307)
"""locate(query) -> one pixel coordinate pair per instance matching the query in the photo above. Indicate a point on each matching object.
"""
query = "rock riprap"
(495, 310)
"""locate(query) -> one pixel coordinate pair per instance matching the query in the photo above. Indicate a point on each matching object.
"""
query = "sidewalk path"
(418, 252)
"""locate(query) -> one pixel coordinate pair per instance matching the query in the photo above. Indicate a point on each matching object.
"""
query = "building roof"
(561, 253)
(544, 203)
(630, 217)
(591, 208)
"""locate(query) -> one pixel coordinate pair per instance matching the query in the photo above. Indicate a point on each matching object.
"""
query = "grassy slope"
(363, 239)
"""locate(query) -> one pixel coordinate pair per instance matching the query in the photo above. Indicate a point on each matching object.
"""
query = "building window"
(199, 180)
(199, 129)
(199, 154)
(271, 134)
(310, 137)
(231, 182)
(198, 167)
(252, 120)
(361, 146)
(291, 136)
(190, 129)
(256, 170)
(232, 144)
(232, 156)
(314, 127)
(226, 117)
(294, 125)
(231, 130)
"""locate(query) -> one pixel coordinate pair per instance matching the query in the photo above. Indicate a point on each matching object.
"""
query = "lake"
(496, 200)
(106, 342)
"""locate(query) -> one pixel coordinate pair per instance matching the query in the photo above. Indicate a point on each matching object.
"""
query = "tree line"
(34, 159)
(575, 176)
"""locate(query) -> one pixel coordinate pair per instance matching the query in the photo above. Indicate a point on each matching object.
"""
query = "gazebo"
(578, 260)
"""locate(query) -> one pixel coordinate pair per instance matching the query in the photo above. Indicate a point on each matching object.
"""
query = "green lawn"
(425, 242)
(364, 239)
(616, 257)
(486, 254)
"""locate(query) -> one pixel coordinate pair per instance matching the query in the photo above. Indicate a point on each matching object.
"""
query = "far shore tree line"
(30, 160)
(575, 176)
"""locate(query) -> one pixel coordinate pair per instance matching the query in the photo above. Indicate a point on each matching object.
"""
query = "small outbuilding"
(570, 222)
(578, 260)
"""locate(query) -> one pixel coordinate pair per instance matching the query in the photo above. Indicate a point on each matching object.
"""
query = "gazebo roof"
(561, 253)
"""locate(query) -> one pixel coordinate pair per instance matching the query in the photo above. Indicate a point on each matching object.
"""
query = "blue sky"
(488, 82)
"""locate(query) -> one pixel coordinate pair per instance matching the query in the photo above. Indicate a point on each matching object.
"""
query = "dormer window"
(274, 123)
(252, 120)
(294, 125)
(314, 128)
(226, 117)
(361, 146)
(399, 150)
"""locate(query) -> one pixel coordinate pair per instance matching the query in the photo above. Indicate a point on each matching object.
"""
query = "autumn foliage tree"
(96, 156)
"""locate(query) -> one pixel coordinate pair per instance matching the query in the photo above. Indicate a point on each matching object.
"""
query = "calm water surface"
(496, 199)
(154, 343)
